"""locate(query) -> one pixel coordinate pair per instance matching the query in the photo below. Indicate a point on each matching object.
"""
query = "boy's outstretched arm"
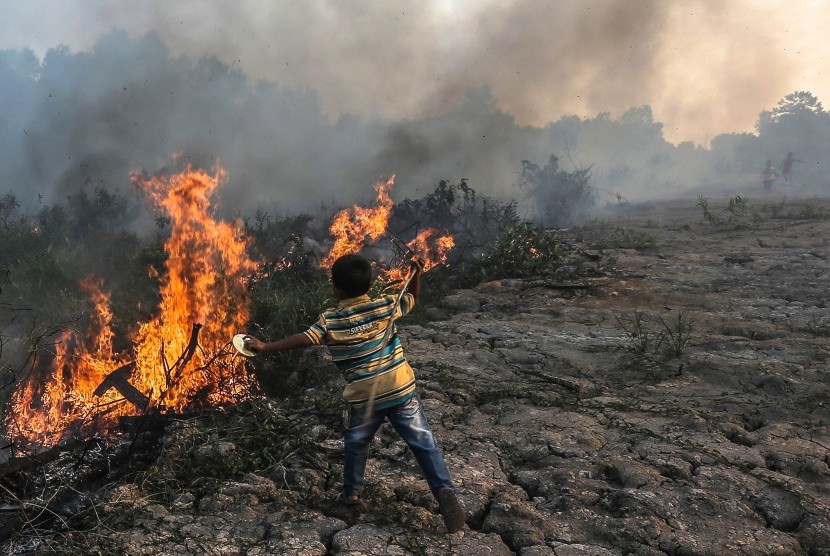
(415, 284)
(294, 341)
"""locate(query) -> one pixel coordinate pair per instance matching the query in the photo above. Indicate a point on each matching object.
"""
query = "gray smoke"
(292, 142)
(89, 119)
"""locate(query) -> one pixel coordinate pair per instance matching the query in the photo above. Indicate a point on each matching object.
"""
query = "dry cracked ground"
(679, 404)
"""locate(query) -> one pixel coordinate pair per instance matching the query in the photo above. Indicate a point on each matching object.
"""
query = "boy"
(787, 166)
(768, 176)
(353, 332)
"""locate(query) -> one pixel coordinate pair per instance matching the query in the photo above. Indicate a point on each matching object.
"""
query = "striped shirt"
(353, 332)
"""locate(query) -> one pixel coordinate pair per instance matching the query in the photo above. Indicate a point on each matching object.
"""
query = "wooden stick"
(386, 336)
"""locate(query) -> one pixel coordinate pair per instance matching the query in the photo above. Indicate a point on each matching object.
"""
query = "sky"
(704, 66)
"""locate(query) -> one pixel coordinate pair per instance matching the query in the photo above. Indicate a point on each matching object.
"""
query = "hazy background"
(308, 103)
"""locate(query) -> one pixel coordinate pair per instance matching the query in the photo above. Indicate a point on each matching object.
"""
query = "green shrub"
(521, 251)
(284, 303)
(629, 239)
(803, 212)
(653, 344)
(736, 213)
(287, 297)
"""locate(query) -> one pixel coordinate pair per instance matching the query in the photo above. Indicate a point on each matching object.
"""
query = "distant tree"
(798, 124)
(796, 109)
(560, 197)
(737, 152)
(8, 209)
(628, 155)
(93, 215)
(643, 116)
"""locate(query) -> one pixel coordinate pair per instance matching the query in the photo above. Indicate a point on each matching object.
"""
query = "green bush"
(522, 251)
(653, 344)
(734, 214)
(288, 296)
(629, 239)
(49, 253)
(803, 212)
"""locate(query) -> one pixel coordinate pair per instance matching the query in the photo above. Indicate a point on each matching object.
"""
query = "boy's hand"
(254, 344)
(414, 287)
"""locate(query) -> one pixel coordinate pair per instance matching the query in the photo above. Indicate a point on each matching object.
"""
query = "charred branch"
(176, 371)
(118, 379)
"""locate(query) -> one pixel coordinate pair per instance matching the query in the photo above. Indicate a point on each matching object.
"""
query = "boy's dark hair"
(352, 274)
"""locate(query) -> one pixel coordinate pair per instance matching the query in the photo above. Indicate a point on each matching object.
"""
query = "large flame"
(204, 283)
(352, 227)
(429, 246)
(59, 390)
(357, 227)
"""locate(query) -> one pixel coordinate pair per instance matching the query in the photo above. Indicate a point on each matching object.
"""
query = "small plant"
(712, 217)
(775, 211)
(815, 326)
(678, 333)
(641, 339)
(655, 342)
(804, 212)
(811, 212)
(628, 239)
(735, 213)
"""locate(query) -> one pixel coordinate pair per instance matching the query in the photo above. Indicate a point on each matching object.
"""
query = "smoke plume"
(309, 103)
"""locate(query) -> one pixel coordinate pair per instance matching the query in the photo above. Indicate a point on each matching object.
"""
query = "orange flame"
(59, 391)
(204, 283)
(354, 228)
(429, 246)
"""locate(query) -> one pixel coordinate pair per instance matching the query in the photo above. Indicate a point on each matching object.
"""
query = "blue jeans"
(411, 423)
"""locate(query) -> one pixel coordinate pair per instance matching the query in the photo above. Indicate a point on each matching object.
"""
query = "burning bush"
(267, 276)
(474, 220)
(165, 365)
